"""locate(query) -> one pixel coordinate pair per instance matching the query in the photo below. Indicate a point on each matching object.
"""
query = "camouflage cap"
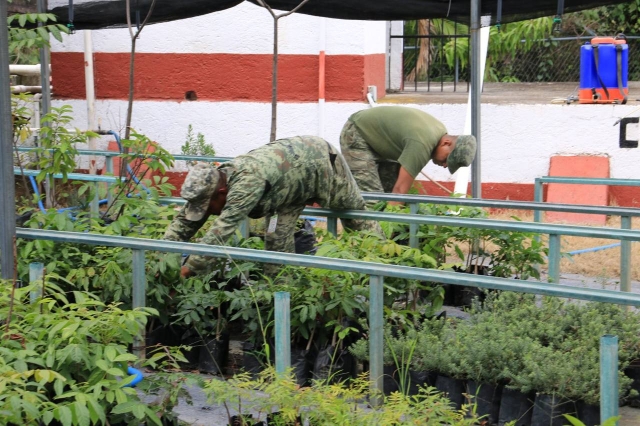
(197, 189)
(462, 154)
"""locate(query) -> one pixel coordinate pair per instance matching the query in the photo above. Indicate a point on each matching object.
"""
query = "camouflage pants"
(342, 193)
(372, 172)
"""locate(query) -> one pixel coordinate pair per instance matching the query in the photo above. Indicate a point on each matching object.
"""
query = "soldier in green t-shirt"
(387, 146)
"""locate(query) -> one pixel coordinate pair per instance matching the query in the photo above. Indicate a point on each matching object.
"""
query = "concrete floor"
(494, 93)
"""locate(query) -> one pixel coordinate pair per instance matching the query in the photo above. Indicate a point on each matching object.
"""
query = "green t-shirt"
(406, 135)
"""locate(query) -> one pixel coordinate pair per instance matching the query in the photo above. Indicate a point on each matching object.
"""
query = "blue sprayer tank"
(604, 64)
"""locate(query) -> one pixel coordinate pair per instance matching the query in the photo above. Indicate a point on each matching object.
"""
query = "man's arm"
(240, 201)
(402, 185)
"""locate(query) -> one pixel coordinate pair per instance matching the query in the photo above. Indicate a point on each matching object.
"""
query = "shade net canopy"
(95, 14)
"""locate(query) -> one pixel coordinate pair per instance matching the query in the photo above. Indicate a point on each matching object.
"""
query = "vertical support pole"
(95, 205)
(283, 331)
(376, 337)
(608, 377)
(108, 161)
(36, 276)
(7, 180)
(537, 197)
(244, 228)
(138, 296)
(332, 225)
(413, 228)
(476, 90)
(554, 258)
(625, 257)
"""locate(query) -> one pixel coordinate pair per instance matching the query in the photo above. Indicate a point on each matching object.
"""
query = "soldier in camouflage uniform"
(276, 181)
(387, 146)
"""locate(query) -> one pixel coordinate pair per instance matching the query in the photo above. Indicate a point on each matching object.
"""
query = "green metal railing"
(625, 219)
(376, 272)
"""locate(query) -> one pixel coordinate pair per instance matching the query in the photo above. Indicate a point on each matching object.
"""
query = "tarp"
(94, 14)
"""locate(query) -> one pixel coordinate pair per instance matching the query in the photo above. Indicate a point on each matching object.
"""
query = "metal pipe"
(376, 338)
(332, 225)
(537, 197)
(283, 331)
(476, 79)
(625, 257)
(396, 271)
(413, 228)
(7, 183)
(138, 296)
(590, 181)
(609, 400)
(554, 258)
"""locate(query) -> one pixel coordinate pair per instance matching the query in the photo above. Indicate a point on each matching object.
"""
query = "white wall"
(244, 29)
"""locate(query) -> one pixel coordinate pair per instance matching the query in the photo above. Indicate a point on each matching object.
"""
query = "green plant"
(29, 32)
(612, 421)
(64, 358)
(196, 145)
(329, 404)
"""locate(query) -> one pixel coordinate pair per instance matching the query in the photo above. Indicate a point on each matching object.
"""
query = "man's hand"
(185, 272)
(402, 185)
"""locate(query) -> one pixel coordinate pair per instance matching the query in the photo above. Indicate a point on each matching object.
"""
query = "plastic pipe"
(321, 77)
(138, 377)
(28, 70)
(590, 250)
(34, 185)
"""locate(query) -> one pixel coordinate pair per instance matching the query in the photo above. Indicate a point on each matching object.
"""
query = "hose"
(133, 176)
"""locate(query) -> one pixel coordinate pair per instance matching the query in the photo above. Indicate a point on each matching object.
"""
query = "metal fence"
(548, 60)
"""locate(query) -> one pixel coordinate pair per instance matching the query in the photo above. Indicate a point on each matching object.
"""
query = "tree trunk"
(424, 53)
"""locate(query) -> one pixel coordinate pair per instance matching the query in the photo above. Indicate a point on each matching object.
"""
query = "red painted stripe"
(219, 77)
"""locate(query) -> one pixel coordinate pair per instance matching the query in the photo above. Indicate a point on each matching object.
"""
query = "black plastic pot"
(516, 406)
(633, 372)
(549, 410)
(453, 389)
(214, 355)
(165, 335)
(253, 359)
(192, 339)
(390, 379)
(302, 365)
(242, 420)
(487, 399)
(420, 379)
(333, 366)
(588, 414)
(274, 420)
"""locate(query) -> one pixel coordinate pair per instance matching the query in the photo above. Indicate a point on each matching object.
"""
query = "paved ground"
(202, 413)
(496, 93)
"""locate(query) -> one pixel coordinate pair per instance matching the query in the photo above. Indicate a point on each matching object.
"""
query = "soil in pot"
(548, 410)
(453, 389)
(420, 379)
(214, 354)
(588, 414)
(334, 366)
(516, 406)
(487, 398)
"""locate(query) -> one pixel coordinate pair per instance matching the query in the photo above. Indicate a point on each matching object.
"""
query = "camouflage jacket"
(284, 173)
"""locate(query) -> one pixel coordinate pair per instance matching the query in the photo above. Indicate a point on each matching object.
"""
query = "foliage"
(65, 358)
(196, 145)
(29, 32)
(329, 404)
